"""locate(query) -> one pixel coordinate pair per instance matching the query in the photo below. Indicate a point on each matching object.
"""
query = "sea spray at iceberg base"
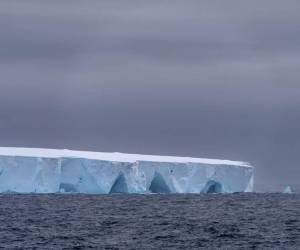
(29, 170)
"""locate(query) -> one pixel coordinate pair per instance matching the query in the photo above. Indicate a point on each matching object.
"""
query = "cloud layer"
(207, 78)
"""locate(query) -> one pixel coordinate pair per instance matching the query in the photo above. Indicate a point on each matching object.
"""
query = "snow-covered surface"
(121, 157)
(27, 170)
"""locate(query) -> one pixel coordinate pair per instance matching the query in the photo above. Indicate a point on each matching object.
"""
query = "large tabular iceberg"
(28, 170)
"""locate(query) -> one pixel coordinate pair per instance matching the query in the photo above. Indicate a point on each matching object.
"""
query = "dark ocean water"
(204, 221)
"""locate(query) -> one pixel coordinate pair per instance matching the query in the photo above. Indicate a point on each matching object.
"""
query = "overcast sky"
(215, 79)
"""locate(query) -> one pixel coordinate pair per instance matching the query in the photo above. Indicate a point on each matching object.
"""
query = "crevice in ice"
(159, 185)
(74, 172)
(120, 185)
(212, 187)
(67, 188)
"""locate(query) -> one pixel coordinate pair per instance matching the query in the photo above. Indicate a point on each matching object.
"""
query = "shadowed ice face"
(210, 79)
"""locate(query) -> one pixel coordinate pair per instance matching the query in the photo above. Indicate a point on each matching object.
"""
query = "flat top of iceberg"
(57, 153)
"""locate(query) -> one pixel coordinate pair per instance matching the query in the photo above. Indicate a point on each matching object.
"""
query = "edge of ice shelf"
(116, 156)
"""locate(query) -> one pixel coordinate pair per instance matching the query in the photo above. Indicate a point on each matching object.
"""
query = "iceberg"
(34, 170)
(287, 190)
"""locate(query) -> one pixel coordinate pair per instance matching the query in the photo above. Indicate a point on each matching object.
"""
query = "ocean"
(176, 221)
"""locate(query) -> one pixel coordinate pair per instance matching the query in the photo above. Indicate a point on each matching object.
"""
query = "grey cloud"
(207, 78)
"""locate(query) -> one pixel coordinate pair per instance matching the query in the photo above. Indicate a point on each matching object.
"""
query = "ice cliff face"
(51, 171)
